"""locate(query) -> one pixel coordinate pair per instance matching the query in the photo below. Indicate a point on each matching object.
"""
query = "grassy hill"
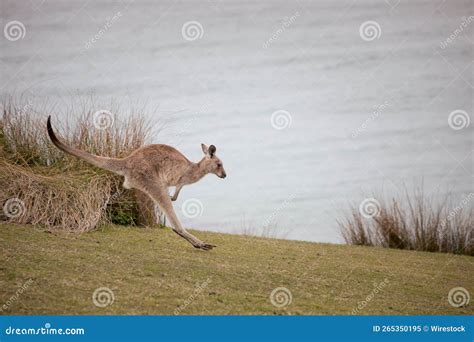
(153, 271)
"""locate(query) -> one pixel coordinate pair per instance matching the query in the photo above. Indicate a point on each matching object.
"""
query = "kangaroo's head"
(211, 162)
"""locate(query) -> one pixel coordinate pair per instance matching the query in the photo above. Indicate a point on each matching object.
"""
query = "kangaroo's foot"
(204, 246)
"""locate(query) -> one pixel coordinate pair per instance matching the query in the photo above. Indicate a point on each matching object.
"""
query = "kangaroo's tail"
(112, 164)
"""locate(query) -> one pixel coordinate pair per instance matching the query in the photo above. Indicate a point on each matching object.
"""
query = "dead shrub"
(58, 191)
(413, 222)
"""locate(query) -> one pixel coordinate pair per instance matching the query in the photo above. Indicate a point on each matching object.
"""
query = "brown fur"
(152, 169)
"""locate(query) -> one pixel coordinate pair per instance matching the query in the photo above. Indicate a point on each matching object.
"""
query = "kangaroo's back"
(158, 152)
(158, 160)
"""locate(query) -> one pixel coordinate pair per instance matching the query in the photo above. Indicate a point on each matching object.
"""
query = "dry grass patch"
(44, 186)
(412, 222)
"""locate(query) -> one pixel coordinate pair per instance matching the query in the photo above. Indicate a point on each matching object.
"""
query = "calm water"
(362, 116)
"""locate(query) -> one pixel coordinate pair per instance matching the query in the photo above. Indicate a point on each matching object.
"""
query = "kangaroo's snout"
(224, 175)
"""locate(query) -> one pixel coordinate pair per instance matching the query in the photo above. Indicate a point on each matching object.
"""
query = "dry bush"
(414, 222)
(55, 190)
(26, 141)
(71, 202)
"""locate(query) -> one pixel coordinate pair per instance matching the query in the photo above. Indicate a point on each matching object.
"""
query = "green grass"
(153, 271)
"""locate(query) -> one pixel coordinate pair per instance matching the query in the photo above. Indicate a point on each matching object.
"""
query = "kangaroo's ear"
(205, 149)
(212, 150)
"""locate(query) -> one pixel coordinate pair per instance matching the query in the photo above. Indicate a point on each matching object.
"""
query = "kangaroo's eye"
(219, 165)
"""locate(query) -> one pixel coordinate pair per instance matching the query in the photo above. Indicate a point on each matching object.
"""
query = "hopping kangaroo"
(152, 169)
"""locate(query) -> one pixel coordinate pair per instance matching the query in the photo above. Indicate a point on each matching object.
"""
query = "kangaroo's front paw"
(173, 198)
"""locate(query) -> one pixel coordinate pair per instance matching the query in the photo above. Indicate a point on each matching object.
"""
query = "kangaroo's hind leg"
(160, 196)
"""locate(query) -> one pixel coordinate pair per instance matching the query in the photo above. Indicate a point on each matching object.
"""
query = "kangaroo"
(152, 169)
